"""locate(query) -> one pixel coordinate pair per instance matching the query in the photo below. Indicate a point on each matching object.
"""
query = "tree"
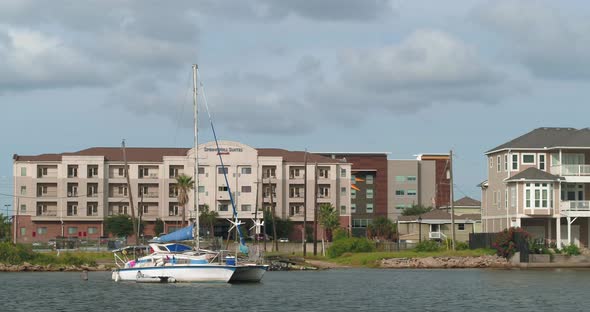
(415, 210)
(284, 226)
(119, 225)
(381, 228)
(184, 184)
(5, 226)
(159, 227)
(328, 219)
(208, 218)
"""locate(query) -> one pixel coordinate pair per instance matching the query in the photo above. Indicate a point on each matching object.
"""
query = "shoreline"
(28, 267)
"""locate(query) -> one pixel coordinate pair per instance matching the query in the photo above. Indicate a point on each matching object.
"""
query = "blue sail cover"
(185, 233)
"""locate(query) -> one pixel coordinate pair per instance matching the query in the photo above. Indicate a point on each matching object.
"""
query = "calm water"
(333, 290)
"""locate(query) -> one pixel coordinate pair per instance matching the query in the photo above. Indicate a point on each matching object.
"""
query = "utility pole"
(129, 193)
(263, 211)
(451, 199)
(304, 203)
(140, 214)
(315, 211)
(274, 224)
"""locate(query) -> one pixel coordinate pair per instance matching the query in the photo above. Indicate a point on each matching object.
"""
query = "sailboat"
(166, 261)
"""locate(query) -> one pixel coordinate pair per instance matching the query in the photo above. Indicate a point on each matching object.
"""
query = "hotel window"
(72, 171)
(121, 172)
(343, 173)
(528, 159)
(246, 170)
(92, 171)
(23, 171)
(324, 173)
(122, 190)
(324, 191)
(352, 208)
(201, 170)
(542, 162)
(222, 170)
(72, 230)
(369, 207)
(461, 226)
(201, 189)
(122, 209)
(369, 179)
(400, 179)
(222, 188)
(411, 193)
(498, 163)
(23, 190)
(342, 209)
(246, 189)
(269, 172)
(41, 230)
(400, 206)
(400, 192)
(92, 209)
(505, 162)
(411, 178)
(538, 195)
(515, 162)
(145, 208)
(246, 207)
(173, 210)
(369, 193)
(353, 194)
(352, 178)
(92, 230)
(222, 207)
(294, 173)
(23, 208)
(343, 190)
(72, 209)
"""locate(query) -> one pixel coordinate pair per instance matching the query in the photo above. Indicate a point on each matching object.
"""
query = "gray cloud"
(548, 43)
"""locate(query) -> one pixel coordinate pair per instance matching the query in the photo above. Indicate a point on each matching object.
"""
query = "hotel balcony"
(575, 208)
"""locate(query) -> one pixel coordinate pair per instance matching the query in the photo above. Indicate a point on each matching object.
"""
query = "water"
(333, 290)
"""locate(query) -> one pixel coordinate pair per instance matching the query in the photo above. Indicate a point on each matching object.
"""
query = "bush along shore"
(22, 258)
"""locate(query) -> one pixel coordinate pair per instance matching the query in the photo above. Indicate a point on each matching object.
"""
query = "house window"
(369, 193)
(246, 170)
(369, 207)
(505, 162)
(23, 190)
(461, 226)
(222, 207)
(400, 178)
(246, 207)
(72, 230)
(528, 159)
(506, 198)
(92, 230)
(23, 171)
(201, 189)
(23, 208)
(222, 170)
(352, 208)
(498, 164)
(342, 209)
(201, 170)
(491, 162)
(343, 190)
(542, 162)
(400, 192)
(41, 230)
(343, 174)
(222, 188)
(411, 193)
(538, 195)
(411, 178)
(514, 162)
(246, 189)
(23, 231)
(512, 196)
(369, 179)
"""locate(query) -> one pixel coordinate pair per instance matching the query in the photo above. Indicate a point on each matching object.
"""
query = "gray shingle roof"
(467, 202)
(548, 138)
(535, 175)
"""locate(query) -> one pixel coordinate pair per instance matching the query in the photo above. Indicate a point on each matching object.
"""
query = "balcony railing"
(436, 235)
(151, 195)
(49, 213)
(575, 205)
(571, 170)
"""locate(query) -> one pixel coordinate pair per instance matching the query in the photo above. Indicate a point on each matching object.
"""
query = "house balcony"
(538, 211)
(575, 208)
(573, 173)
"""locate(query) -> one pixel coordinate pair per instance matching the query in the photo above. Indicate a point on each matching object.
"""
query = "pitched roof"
(548, 138)
(535, 175)
(439, 215)
(467, 202)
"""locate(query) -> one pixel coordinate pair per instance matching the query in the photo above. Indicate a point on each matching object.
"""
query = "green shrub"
(19, 253)
(505, 245)
(353, 244)
(571, 250)
(339, 234)
(461, 246)
(427, 245)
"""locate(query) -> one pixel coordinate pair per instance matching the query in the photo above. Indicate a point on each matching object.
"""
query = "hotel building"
(70, 194)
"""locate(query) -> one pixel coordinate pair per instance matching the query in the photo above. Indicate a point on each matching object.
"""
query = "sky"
(403, 77)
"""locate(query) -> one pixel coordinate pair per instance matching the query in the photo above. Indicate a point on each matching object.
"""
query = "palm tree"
(328, 218)
(184, 184)
(381, 228)
(208, 218)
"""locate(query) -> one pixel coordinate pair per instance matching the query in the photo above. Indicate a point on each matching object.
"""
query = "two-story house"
(539, 182)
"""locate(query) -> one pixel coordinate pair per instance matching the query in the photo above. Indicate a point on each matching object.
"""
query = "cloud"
(427, 68)
(548, 43)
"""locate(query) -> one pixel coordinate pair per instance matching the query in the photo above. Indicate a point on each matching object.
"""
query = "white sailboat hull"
(180, 273)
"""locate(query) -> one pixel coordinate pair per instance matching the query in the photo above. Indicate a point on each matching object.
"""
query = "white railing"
(436, 235)
(575, 205)
(571, 170)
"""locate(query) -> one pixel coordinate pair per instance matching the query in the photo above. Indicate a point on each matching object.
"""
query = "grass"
(11, 254)
(371, 259)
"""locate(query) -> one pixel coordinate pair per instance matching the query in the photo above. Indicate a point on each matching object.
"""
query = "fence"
(487, 240)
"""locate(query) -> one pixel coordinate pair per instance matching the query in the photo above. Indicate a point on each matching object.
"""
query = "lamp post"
(420, 229)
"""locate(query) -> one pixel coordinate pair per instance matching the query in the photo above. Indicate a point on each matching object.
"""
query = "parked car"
(283, 240)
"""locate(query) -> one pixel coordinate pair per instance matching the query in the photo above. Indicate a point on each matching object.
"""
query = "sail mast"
(196, 167)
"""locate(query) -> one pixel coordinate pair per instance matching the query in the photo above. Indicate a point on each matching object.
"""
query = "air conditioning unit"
(70, 194)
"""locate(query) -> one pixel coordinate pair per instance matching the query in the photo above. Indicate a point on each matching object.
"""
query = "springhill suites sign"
(224, 150)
